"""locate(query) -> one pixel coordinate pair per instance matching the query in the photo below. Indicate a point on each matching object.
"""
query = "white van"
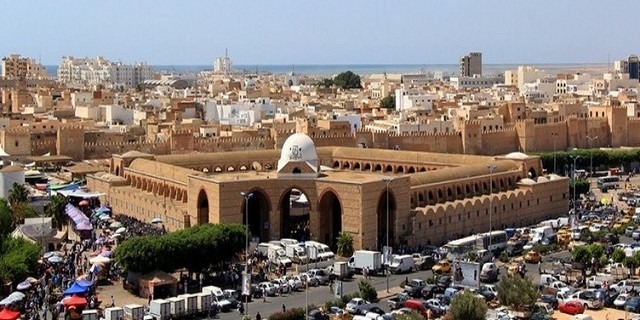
(541, 233)
(324, 252)
(547, 279)
(402, 264)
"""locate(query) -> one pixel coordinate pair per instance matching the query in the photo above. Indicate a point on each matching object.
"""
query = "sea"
(367, 69)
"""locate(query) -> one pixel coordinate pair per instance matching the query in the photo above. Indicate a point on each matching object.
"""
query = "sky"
(190, 32)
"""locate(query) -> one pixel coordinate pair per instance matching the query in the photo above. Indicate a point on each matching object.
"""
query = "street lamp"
(575, 159)
(554, 135)
(388, 181)
(246, 197)
(590, 139)
(492, 169)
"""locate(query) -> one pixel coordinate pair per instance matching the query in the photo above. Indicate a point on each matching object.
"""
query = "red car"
(571, 307)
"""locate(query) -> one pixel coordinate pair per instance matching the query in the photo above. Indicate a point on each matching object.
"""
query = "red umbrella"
(74, 301)
(7, 314)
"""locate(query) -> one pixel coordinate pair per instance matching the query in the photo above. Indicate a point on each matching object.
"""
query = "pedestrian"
(113, 302)
(258, 316)
(540, 267)
(284, 309)
(264, 295)
(330, 285)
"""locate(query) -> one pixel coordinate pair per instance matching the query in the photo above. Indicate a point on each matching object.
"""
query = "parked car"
(550, 299)
(430, 291)
(621, 300)
(532, 257)
(317, 315)
(414, 287)
(444, 266)
(436, 307)
(295, 282)
(489, 272)
(633, 305)
(322, 275)
(571, 307)
(357, 305)
(268, 288)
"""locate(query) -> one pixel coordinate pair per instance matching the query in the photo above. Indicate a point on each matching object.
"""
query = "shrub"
(504, 257)
(430, 280)
(403, 283)
(367, 291)
(291, 314)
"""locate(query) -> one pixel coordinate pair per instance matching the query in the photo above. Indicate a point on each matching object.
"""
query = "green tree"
(618, 255)
(467, 306)
(388, 102)
(581, 254)
(347, 80)
(517, 292)
(18, 194)
(345, 244)
(56, 210)
(596, 250)
(18, 258)
(327, 83)
(6, 218)
(367, 291)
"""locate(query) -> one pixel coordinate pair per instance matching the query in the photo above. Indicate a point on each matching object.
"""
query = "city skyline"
(289, 32)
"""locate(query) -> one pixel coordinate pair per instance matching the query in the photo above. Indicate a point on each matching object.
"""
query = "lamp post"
(575, 160)
(492, 169)
(246, 197)
(554, 135)
(388, 181)
(590, 139)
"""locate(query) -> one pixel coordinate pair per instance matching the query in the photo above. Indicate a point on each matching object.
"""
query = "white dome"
(298, 148)
(527, 181)
(517, 156)
(554, 176)
(542, 179)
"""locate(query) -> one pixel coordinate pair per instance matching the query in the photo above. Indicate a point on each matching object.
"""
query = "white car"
(295, 282)
(619, 302)
(312, 281)
(357, 306)
(612, 266)
(282, 285)
(268, 288)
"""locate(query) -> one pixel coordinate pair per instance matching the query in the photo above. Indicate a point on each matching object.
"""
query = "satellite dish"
(256, 166)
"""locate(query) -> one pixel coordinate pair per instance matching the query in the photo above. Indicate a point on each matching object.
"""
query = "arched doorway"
(294, 209)
(330, 211)
(203, 207)
(386, 203)
(258, 215)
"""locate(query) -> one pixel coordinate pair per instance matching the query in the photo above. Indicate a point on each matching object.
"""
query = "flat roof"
(336, 176)
(43, 159)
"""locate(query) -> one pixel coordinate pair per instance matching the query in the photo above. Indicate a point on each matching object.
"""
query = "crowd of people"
(136, 227)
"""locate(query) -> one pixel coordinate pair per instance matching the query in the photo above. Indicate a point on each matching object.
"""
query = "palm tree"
(56, 210)
(345, 244)
(18, 194)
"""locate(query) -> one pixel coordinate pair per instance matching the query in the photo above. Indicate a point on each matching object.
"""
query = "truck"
(625, 286)
(160, 309)
(217, 297)
(341, 270)
(324, 252)
(398, 301)
(361, 259)
(296, 253)
(133, 312)
(598, 281)
(414, 287)
(177, 306)
(113, 313)
(278, 256)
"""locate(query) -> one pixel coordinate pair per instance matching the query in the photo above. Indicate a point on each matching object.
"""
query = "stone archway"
(386, 203)
(203, 207)
(330, 210)
(294, 215)
(259, 208)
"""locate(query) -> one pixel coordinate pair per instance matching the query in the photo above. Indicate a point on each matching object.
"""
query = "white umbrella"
(121, 230)
(50, 254)
(54, 259)
(115, 225)
(104, 217)
(24, 285)
(99, 259)
(156, 220)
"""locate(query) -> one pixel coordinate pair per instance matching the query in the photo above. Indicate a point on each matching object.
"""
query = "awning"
(76, 289)
(76, 215)
(79, 194)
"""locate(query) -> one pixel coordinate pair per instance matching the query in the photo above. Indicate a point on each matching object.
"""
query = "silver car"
(268, 288)
(323, 276)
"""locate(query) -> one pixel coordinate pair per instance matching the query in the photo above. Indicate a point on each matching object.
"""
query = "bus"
(608, 182)
(458, 249)
(498, 241)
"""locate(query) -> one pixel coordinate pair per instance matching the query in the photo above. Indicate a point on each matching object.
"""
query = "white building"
(524, 74)
(115, 114)
(100, 71)
(475, 82)
(223, 64)
(413, 99)
(8, 176)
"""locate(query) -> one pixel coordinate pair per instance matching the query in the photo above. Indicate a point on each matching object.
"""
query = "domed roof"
(299, 148)
(554, 176)
(517, 156)
(542, 179)
(12, 168)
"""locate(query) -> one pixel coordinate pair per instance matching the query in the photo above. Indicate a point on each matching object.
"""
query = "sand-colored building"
(430, 197)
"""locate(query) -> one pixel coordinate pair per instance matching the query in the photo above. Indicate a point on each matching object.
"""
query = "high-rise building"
(471, 64)
(94, 71)
(634, 67)
(621, 66)
(223, 64)
(15, 67)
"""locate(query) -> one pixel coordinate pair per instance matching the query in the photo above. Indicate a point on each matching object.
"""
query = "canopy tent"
(85, 283)
(84, 226)
(79, 193)
(76, 215)
(64, 187)
(76, 288)
(7, 314)
(13, 297)
(74, 300)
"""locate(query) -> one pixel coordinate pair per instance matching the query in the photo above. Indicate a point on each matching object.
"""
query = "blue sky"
(322, 32)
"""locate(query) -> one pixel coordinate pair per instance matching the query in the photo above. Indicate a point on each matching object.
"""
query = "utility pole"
(590, 139)
(492, 169)
(554, 135)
